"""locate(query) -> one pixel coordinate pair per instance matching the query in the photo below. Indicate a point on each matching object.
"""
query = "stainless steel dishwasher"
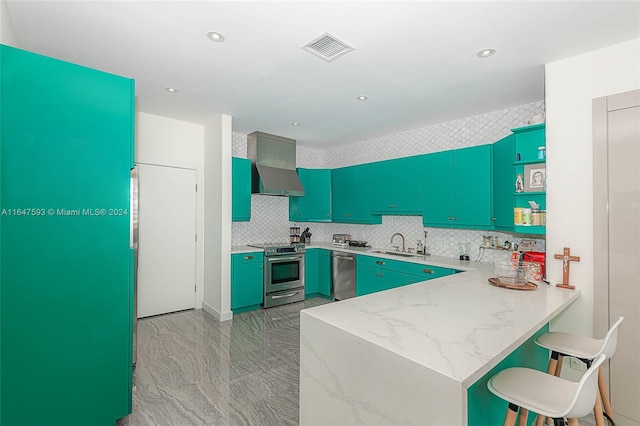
(343, 275)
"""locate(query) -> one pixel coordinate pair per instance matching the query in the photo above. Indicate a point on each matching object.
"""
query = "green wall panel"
(66, 291)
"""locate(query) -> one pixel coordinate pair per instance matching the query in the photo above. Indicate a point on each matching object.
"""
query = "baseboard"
(224, 316)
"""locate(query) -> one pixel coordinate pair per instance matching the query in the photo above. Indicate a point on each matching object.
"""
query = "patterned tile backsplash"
(270, 215)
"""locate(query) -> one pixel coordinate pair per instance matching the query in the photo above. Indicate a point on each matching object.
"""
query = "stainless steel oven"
(283, 274)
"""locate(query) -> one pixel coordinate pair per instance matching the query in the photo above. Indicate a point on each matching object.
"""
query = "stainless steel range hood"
(273, 165)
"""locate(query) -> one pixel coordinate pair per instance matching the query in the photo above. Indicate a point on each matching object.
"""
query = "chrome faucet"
(401, 236)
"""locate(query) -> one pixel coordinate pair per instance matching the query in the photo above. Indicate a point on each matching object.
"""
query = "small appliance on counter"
(283, 273)
(341, 240)
(356, 243)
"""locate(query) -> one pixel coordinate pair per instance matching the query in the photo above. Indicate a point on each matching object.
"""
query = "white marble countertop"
(445, 262)
(459, 325)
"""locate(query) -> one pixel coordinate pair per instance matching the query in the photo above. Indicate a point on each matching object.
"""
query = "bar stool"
(585, 349)
(545, 394)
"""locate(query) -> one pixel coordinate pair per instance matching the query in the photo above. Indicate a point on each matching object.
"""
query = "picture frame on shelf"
(535, 177)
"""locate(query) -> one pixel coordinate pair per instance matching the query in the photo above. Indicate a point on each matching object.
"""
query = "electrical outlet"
(441, 243)
(576, 364)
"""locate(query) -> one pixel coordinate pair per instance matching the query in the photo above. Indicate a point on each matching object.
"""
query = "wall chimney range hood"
(273, 165)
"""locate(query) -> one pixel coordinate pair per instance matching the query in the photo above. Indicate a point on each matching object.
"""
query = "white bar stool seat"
(545, 394)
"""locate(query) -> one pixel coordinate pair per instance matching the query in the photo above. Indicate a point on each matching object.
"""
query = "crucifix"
(566, 258)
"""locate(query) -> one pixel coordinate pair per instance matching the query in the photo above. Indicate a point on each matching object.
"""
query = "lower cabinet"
(317, 273)
(376, 274)
(247, 275)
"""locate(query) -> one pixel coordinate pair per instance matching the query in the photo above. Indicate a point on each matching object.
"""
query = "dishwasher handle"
(342, 257)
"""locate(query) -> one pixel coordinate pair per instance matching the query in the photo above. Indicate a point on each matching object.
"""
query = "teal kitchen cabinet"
(398, 185)
(376, 274)
(66, 295)
(503, 183)
(367, 279)
(315, 205)
(352, 195)
(514, 155)
(311, 271)
(457, 188)
(247, 277)
(240, 189)
(420, 272)
(324, 272)
(317, 273)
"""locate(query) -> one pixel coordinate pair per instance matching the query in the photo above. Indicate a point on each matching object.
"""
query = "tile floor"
(194, 370)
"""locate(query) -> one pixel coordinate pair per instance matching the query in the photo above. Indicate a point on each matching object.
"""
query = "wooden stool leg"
(597, 411)
(510, 418)
(539, 420)
(573, 422)
(522, 417)
(555, 366)
(559, 367)
(602, 386)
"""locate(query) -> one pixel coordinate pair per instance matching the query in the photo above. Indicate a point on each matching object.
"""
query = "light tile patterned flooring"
(194, 370)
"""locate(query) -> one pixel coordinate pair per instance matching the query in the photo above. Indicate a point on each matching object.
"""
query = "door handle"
(282, 296)
(277, 259)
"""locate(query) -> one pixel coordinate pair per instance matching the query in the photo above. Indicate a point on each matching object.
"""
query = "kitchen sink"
(396, 253)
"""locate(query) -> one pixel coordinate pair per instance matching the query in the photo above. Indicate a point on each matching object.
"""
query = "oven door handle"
(282, 259)
(282, 296)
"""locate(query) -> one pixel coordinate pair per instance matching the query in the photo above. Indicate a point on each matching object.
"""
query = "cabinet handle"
(493, 218)
(260, 266)
(248, 257)
(455, 218)
(449, 218)
(427, 271)
(390, 206)
(379, 262)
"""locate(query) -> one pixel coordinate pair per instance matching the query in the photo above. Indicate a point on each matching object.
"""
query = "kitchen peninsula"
(421, 354)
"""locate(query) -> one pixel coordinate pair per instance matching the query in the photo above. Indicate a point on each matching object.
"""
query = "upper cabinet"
(457, 188)
(519, 177)
(398, 185)
(352, 194)
(315, 205)
(240, 189)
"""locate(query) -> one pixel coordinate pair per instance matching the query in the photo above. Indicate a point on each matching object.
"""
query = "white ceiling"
(416, 61)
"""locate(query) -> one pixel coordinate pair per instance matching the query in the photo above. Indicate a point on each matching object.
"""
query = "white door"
(167, 246)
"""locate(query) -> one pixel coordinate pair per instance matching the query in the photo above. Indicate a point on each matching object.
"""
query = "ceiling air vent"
(327, 47)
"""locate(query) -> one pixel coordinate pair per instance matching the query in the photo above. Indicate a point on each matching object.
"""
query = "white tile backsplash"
(270, 215)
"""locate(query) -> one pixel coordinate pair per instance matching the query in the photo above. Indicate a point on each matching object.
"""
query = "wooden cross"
(566, 258)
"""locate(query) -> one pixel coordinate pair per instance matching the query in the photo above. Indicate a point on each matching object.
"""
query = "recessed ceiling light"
(485, 53)
(362, 98)
(295, 124)
(214, 36)
(171, 90)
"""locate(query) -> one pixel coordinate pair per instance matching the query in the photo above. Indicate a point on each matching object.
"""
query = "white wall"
(167, 142)
(571, 85)
(217, 225)
(7, 32)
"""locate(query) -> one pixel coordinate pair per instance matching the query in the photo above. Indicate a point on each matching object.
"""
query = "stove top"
(276, 245)
(273, 249)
